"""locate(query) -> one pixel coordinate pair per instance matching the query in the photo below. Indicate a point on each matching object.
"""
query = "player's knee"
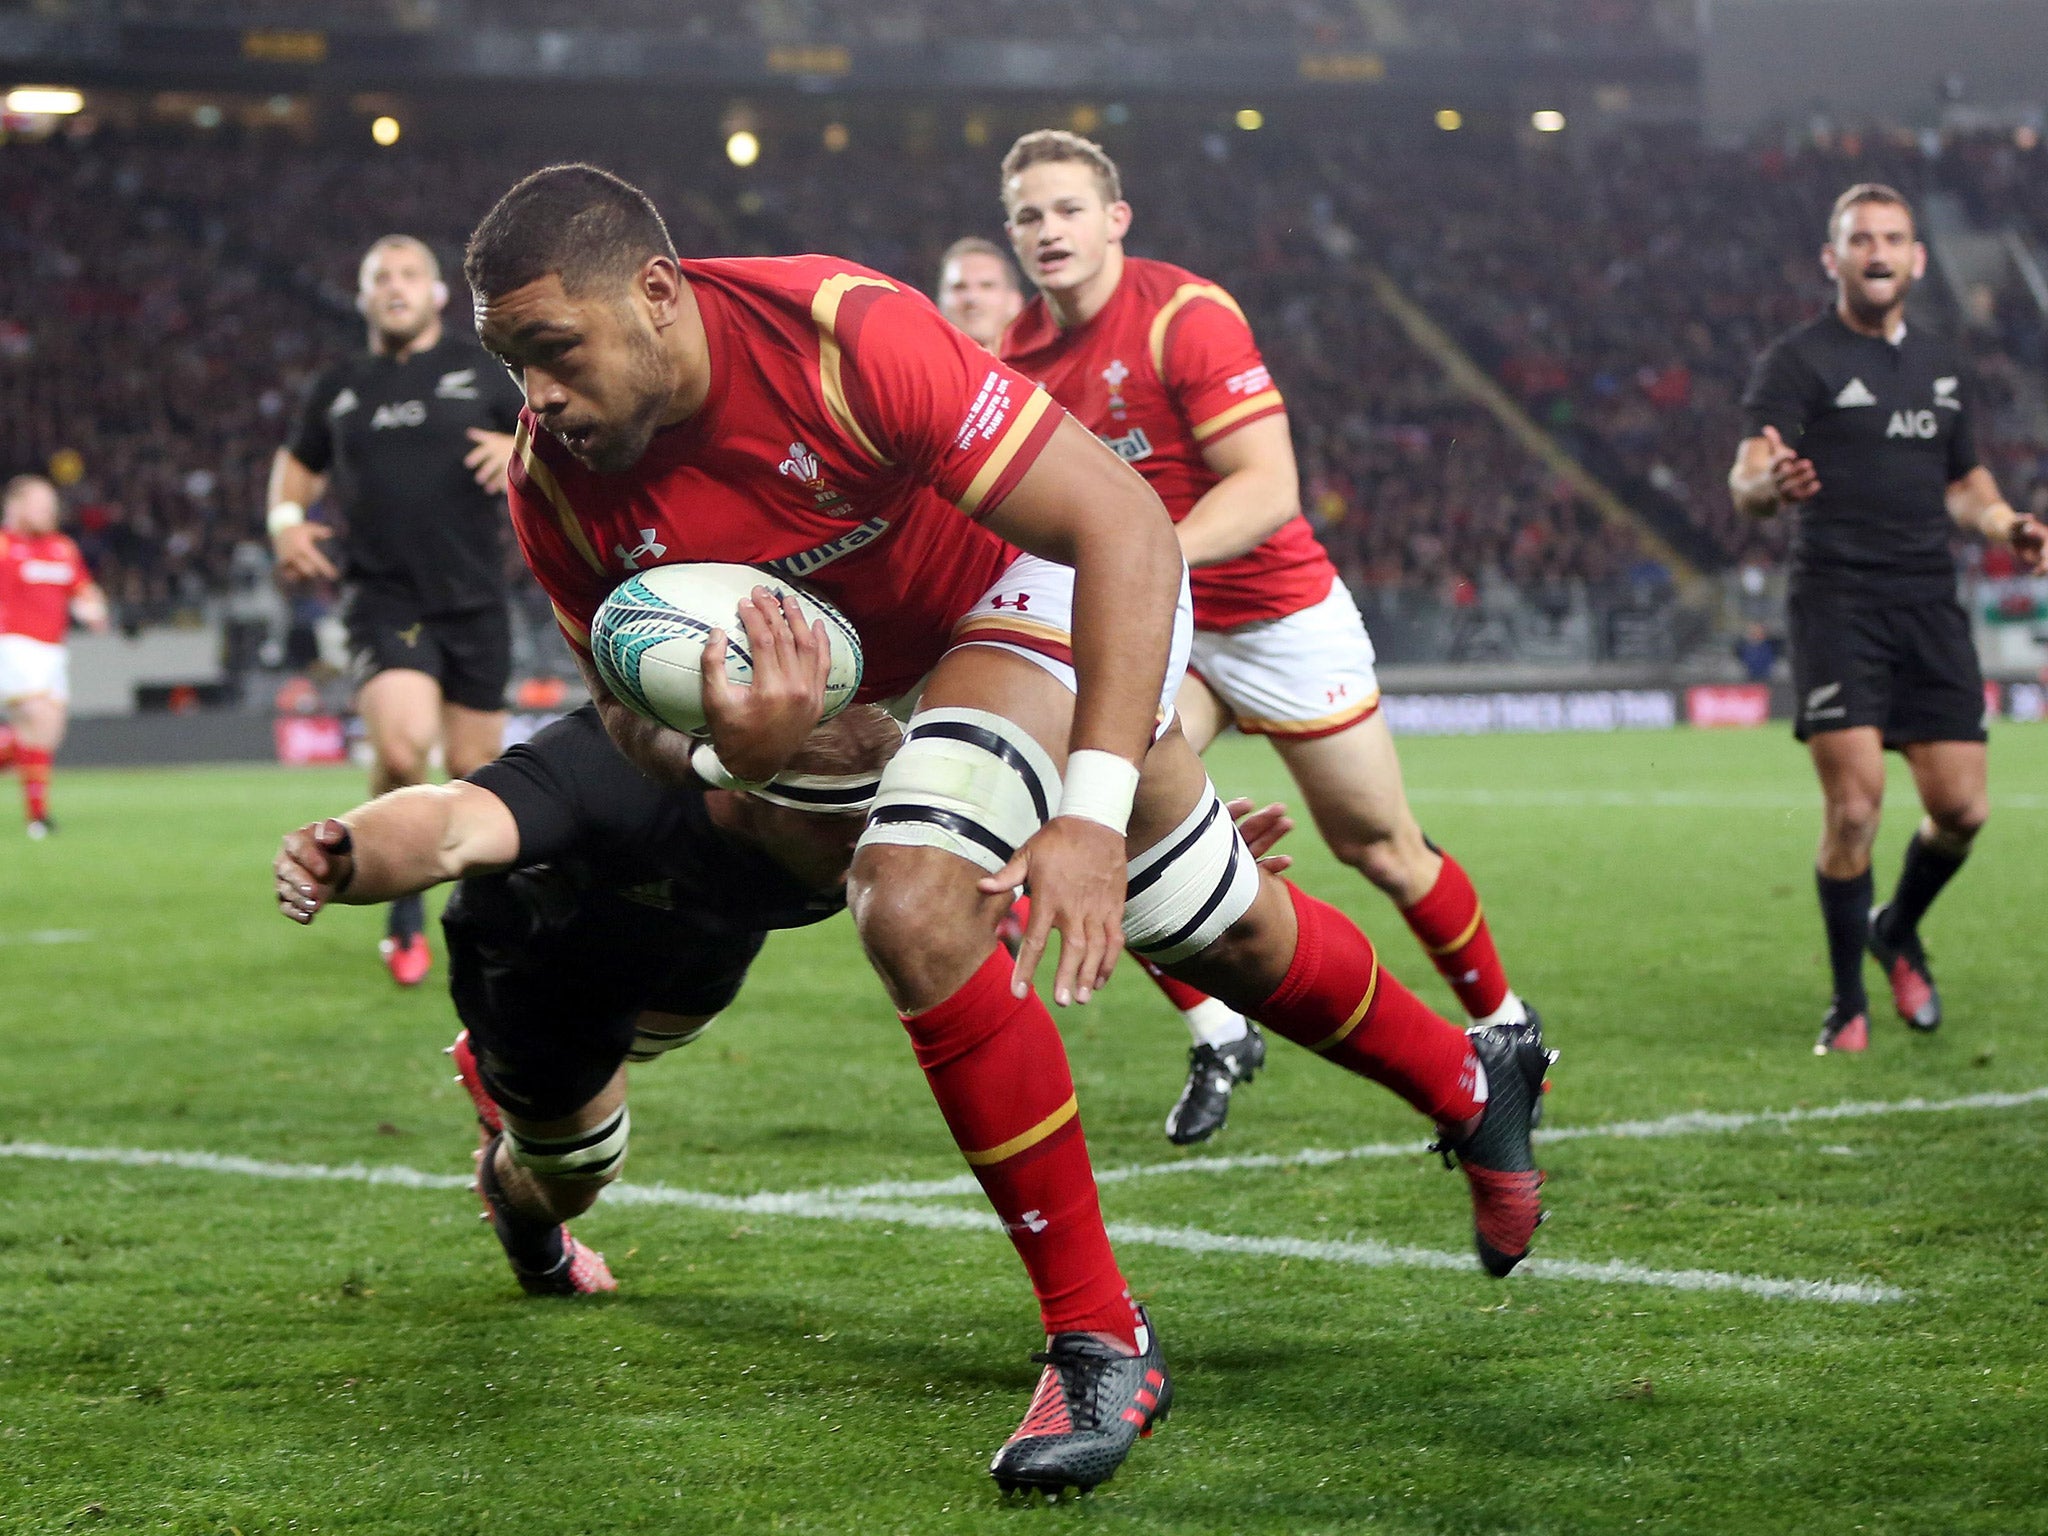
(907, 910)
(1852, 818)
(1958, 822)
(401, 762)
(570, 1171)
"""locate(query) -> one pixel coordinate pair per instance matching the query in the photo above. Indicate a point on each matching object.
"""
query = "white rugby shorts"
(29, 667)
(1307, 674)
(1030, 610)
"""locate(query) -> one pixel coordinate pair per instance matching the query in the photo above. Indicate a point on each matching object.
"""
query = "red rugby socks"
(1452, 928)
(998, 1068)
(1339, 1001)
(33, 764)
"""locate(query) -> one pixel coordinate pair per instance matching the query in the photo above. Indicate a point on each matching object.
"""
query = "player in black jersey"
(1864, 425)
(601, 919)
(412, 438)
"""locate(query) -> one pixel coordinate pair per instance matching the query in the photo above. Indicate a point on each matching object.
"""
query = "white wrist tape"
(286, 514)
(1099, 787)
(705, 763)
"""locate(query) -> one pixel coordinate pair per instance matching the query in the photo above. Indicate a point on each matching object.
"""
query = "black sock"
(1926, 870)
(532, 1242)
(1845, 911)
(406, 917)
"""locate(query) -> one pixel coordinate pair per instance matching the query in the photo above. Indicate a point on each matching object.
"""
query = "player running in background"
(412, 436)
(816, 417)
(978, 290)
(44, 585)
(1161, 365)
(1864, 424)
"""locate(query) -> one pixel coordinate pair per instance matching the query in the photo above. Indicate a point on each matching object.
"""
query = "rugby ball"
(648, 639)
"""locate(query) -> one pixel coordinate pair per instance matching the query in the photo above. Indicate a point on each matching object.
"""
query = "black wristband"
(345, 849)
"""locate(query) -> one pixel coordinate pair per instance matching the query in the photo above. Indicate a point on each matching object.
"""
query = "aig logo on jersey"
(399, 413)
(1912, 424)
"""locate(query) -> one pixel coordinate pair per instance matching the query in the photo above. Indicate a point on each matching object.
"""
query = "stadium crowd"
(163, 301)
(1541, 25)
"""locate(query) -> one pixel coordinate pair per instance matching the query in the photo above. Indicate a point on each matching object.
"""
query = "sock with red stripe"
(1452, 928)
(1210, 1020)
(999, 1071)
(33, 763)
(1339, 1001)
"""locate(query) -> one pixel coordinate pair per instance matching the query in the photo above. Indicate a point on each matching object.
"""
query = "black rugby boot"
(1092, 1404)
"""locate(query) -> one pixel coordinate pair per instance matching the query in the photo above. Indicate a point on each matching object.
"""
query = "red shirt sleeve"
(81, 577)
(1212, 367)
(555, 547)
(922, 396)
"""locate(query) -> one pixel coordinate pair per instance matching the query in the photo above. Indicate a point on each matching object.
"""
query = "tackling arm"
(400, 843)
(1259, 492)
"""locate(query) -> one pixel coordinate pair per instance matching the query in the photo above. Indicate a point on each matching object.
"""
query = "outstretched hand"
(1261, 829)
(311, 869)
(758, 728)
(1793, 478)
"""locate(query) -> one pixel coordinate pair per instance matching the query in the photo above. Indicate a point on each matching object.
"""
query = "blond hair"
(1866, 192)
(1056, 146)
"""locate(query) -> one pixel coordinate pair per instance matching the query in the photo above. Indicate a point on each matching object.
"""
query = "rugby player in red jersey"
(1161, 365)
(44, 583)
(978, 290)
(815, 418)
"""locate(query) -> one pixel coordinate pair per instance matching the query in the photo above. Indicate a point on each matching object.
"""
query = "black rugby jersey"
(606, 833)
(1887, 426)
(393, 436)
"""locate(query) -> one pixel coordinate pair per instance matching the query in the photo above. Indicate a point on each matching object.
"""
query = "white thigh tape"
(1189, 886)
(591, 1154)
(967, 781)
(649, 1044)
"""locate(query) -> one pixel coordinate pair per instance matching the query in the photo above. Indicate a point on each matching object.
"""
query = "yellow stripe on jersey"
(1358, 1014)
(544, 480)
(1184, 295)
(825, 315)
(1264, 400)
(578, 635)
(1036, 404)
(1002, 1152)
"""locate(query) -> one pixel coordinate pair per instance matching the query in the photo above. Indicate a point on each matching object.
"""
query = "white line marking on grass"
(1691, 1122)
(1657, 799)
(48, 936)
(1365, 1253)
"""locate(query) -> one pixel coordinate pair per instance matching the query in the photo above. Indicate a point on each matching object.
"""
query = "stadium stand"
(1618, 292)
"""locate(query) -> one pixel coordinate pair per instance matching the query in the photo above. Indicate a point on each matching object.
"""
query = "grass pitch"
(191, 1348)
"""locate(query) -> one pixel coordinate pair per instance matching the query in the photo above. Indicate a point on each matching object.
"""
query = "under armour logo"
(1031, 1221)
(630, 558)
(1021, 602)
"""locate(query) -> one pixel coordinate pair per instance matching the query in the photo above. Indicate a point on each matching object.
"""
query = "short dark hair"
(577, 221)
(1866, 192)
(1056, 146)
(975, 245)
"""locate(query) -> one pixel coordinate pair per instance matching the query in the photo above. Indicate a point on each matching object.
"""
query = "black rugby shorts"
(468, 654)
(550, 997)
(1908, 668)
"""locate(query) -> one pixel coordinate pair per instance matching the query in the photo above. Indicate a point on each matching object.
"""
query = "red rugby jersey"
(1167, 368)
(39, 575)
(847, 431)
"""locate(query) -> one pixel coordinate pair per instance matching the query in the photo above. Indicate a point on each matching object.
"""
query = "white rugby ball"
(648, 639)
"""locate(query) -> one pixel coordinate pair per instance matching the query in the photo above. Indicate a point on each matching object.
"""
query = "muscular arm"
(1260, 490)
(660, 753)
(406, 841)
(1081, 505)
